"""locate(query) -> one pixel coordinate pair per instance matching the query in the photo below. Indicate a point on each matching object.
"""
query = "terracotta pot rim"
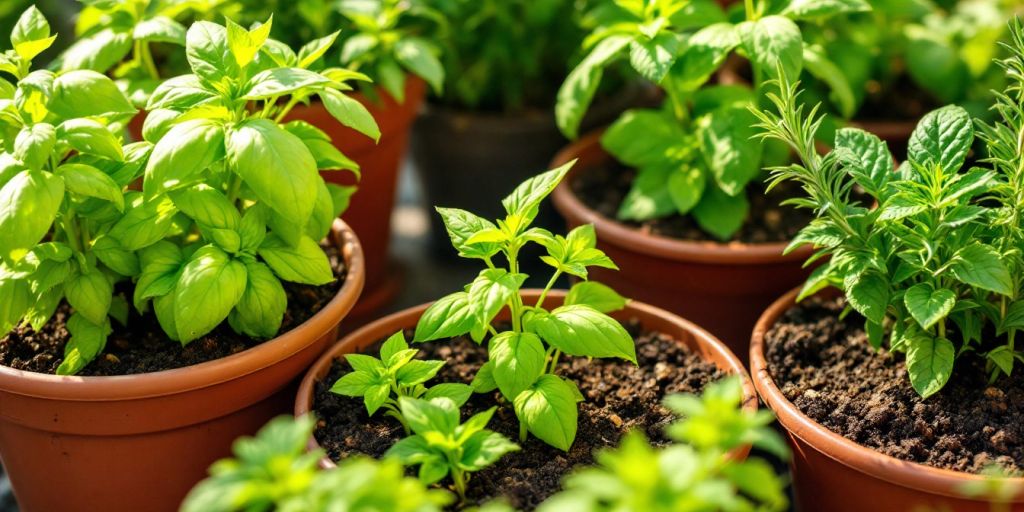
(615, 232)
(844, 451)
(210, 373)
(407, 318)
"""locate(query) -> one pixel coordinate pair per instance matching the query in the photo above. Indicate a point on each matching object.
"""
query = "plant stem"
(522, 432)
(544, 294)
(554, 361)
(517, 300)
(459, 477)
(144, 57)
(286, 109)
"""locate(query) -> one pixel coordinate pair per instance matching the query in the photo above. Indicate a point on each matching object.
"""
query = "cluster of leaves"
(440, 445)
(938, 262)
(944, 48)
(273, 471)
(505, 55)
(691, 475)
(109, 31)
(694, 155)
(384, 39)
(522, 360)
(397, 374)
(63, 178)
(231, 202)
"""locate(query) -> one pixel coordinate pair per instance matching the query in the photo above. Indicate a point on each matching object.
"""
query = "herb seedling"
(937, 262)
(273, 471)
(697, 475)
(441, 446)
(695, 155)
(63, 176)
(383, 382)
(242, 184)
(522, 360)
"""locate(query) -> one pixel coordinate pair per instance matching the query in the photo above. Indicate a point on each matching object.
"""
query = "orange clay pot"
(652, 318)
(835, 474)
(139, 442)
(369, 214)
(722, 287)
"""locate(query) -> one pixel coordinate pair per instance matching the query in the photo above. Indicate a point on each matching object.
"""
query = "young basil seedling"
(936, 263)
(63, 176)
(522, 361)
(441, 446)
(273, 471)
(695, 474)
(383, 382)
(243, 183)
(695, 155)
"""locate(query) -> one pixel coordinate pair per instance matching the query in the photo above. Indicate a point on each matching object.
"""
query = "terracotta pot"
(140, 442)
(650, 317)
(721, 287)
(833, 473)
(471, 160)
(369, 214)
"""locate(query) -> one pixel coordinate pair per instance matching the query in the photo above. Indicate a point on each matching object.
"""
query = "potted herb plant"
(675, 193)
(394, 43)
(493, 127)
(525, 351)
(900, 389)
(145, 329)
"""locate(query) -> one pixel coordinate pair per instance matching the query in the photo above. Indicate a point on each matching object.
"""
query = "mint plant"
(244, 185)
(936, 263)
(384, 382)
(694, 474)
(441, 445)
(63, 178)
(273, 471)
(694, 155)
(384, 39)
(522, 359)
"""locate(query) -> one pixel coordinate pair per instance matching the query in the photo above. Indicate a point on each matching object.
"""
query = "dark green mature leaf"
(705, 51)
(942, 137)
(929, 363)
(867, 158)
(773, 42)
(276, 165)
(210, 286)
(719, 213)
(869, 294)
(305, 263)
(450, 316)
(928, 305)
(644, 138)
(518, 361)
(725, 137)
(811, 9)
(653, 58)
(980, 265)
(548, 408)
(581, 330)
(686, 187)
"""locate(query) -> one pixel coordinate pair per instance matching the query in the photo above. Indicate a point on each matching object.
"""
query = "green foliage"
(691, 476)
(383, 382)
(944, 49)
(522, 360)
(694, 155)
(63, 178)
(937, 262)
(273, 471)
(385, 39)
(441, 445)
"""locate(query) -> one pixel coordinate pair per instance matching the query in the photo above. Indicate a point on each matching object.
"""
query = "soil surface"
(141, 346)
(619, 397)
(827, 368)
(604, 188)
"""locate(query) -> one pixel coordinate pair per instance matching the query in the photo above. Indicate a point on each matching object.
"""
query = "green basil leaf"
(14, 303)
(581, 330)
(869, 294)
(425, 417)
(210, 286)
(417, 55)
(160, 29)
(706, 50)
(819, 66)
(354, 384)
(450, 316)
(99, 51)
(649, 195)
(208, 53)
(576, 93)
(305, 263)
(490, 291)
(485, 448)
(31, 34)
(145, 222)
(87, 340)
(596, 295)
(867, 157)
(83, 93)
(90, 294)
(483, 381)
(34, 145)
(685, 187)
(86, 180)
(28, 206)
(773, 42)
(928, 305)
(281, 81)
(518, 359)
(980, 265)
(350, 112)
(458, 393)
(417, 372)
(180, 92)
(726, 141)
(90, 137)
(261, 308)
(548, 408)
(526, 198)
(182, 154)
(929, 363)
(245, 44)
(652, 58)
(207, 206)
(461, 226)
(109, 251)
(645, 137)
(813, 9)
(313, 50)
(942, 137)
(719, 213)
(276, 165)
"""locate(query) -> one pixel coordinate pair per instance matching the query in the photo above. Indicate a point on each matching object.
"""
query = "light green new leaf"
(245, 44)
(490, 291)
(28, 206)
(450, 316)
(350, 112)
(576, 93)
(261, 308)
(87, 340)
(83, 93)
(86, 180)
(415, 54)
(461, 226)
(595, 295)
(526, 198)
(90, 294)
(305, 263)
(31, 34)
(518, 360)
(208, 53)
(210, 286)
(182, 154)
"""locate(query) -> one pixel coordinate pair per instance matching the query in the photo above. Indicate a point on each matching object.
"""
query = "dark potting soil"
(619, 397)
(141, 346)
(603, 189)
(826, 367)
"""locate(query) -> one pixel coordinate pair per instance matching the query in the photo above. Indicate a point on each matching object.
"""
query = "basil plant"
(63, 196)
(935, 268)
(523, 356)
(697, 154)
(243, 183)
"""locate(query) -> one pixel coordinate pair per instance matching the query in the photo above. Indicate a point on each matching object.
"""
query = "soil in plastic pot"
(619, 397)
